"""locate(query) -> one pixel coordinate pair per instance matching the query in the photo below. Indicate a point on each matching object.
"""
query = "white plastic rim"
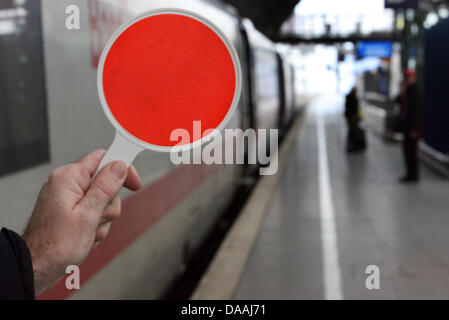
(145, 145)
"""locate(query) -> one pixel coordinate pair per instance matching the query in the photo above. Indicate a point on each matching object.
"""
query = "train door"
(23, 113)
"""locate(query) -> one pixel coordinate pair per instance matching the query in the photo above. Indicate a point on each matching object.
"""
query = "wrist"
(38, 264)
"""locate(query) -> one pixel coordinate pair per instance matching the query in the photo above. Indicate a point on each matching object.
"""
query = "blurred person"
(356, 140)
(409, 125)
(72, 215)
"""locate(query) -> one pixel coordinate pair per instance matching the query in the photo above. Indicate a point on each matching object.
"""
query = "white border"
(238, 73)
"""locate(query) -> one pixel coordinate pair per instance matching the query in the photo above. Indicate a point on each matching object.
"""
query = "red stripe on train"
(139, 213)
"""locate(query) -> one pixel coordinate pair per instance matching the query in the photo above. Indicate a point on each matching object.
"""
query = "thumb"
(105, 186)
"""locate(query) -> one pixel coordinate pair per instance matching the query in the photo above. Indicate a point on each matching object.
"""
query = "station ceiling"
(267, 15)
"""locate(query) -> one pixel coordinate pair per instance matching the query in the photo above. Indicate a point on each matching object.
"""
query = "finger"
(72, 179)
(133, 182)
(112, 211)
(92, 161)
(102, 232)
(104, 188)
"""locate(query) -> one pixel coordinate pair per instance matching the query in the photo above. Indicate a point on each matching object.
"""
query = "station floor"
(317, 240)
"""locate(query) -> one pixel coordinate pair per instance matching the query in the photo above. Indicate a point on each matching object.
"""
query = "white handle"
(120, 150)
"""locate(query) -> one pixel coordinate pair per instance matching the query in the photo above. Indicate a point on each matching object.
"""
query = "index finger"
(133, 181)
(92, 161)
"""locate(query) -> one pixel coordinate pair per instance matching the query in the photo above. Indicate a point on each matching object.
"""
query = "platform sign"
(401, 4)
(378, 49)
(163, 71)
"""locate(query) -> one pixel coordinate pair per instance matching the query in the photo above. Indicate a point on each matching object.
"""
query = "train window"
(267, 72)
(23, 115)
(267, 89)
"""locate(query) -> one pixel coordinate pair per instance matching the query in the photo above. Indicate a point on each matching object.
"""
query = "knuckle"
(68, 171)
(73, 171)
(114, 211)
(117, 212)
(100, 236)
(117, 207)
(84, 177)
(56, 174)
(102, 190)
(83, 172)
(102, 232)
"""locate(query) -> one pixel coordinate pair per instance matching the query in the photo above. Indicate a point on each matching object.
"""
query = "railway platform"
(337, 225)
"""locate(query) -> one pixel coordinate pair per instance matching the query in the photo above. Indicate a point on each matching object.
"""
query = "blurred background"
(358, 91)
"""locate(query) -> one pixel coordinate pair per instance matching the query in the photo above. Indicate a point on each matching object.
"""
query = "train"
(50, 115)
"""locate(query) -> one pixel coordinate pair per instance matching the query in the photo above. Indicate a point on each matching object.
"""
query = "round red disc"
(163, 73)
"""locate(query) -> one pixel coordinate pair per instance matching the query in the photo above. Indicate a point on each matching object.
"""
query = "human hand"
(73, 214)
